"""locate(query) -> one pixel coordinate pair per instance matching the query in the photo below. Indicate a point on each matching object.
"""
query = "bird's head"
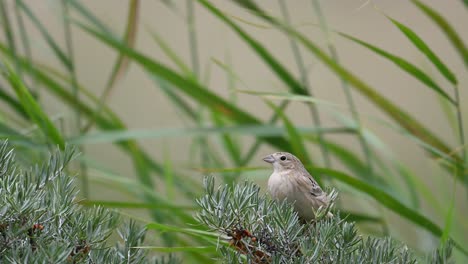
(283, 161)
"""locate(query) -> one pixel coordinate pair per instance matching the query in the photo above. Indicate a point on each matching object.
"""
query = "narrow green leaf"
(424, 48)
(89, 16)
(106, 121)
(295, 138)
(179, 102)
(63, 58)
(357, 217)
(404, 65)
(449, 217)
(200, 249)
(405, 120)
(32, 108)
(446, 28)
(6, 24)
(15, 137)
(232, 147)
(121, 65)
(135, 205)
(168, 175)
(189, 231)
(13, 103)
(389, 202)
(139, 190)
(253, 130)
(188, 86)
(171, 54)
(281, 71)
(465, 2)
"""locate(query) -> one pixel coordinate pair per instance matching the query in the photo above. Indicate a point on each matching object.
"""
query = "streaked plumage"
(291, 181)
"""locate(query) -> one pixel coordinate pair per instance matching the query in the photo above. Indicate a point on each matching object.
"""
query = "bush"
(260, 230)
(42, 222)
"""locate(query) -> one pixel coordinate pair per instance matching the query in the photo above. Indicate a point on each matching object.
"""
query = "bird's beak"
(269, 159)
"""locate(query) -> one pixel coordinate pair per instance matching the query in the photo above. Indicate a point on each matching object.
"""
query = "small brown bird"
(291, 181)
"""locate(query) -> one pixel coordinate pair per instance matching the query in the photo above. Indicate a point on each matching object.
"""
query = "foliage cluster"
(41, 220)
(370, 176)
(260, 230)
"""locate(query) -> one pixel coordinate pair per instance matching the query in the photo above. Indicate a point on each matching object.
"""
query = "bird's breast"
(280, 186)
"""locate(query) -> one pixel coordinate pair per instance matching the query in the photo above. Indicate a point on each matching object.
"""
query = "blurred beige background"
(142, 106)
(137, 96)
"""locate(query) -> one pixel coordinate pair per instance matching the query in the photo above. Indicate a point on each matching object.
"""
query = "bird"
(290, 181)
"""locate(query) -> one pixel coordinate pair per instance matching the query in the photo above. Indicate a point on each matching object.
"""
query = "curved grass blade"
(7, 28)
(253, 130)
(107, 121)
(424, 48)
(171, 54)
(446, 28)
(295, 138)
(139, 190)
(89, 16)
(135, 205)
(121, 65)
(404, 65)
(199, 249)
(283, 73)
(450, 156)
(403, 118)
(32, 108)
(63, 58)
(449, 218)
(187, 85)
(306, 84)
(389, 202)
(357, 217)
(15, 137)
(13, 103)
(230, 144)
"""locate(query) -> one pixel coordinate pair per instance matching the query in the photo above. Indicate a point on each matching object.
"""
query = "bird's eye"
(283, 158)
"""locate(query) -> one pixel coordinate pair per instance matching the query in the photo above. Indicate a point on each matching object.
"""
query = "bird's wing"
(315, 190)
(311, 184)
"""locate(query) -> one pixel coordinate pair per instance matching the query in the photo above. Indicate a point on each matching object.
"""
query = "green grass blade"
(357, 217)
(264, 54)
(118, 135)
(143, 164)
(188, 231)
(138, 190)
(13, 103)
(177, 100)
(306, 84)
(15, 137)
(199, 249)
(89, 16)
(295, 138)
(63, 58)
(171, 54)
(446, 28)
(168, 175)
(6, 24)
(121, 65)
(389, 202)
(135, 205)
(404, 65)
(449, 218)
(424, 48)
(344, 84)
(232, 147)
(188, 86)
(401, 117)
(32, 108)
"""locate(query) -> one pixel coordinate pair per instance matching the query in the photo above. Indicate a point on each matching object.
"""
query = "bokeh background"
(188, 38)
